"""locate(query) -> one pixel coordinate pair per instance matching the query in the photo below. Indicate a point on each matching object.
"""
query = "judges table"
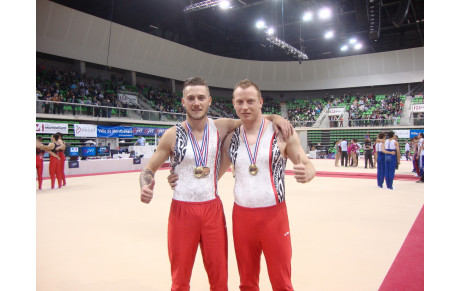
(146, 150)
(100, 166)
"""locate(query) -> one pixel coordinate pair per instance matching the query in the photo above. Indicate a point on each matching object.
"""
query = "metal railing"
(79, 109)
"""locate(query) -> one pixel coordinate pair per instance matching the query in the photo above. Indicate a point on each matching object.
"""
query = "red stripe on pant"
(257, 230)
(54, 169)
(192, 224)
(39, 163)
(62, 166)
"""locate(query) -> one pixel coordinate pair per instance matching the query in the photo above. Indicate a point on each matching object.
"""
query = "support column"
(131, 77)
(173, 86)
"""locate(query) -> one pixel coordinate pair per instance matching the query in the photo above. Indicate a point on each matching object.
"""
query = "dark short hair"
(195, 81)
(39, 138)
(381, 135)
(246, 83)
(391, 134)
(56, 136)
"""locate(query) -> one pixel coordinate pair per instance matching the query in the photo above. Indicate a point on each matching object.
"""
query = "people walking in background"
(338, 153)
(407, 149)
(368, 154)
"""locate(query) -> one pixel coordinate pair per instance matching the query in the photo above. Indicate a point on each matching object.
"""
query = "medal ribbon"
(200, 154)
(256, 149)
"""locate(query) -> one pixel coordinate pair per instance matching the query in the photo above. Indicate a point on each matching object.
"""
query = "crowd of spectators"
(68, 86)
(304, 113)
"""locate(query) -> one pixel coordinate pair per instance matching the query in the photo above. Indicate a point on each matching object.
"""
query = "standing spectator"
(358, 149)
(73, 100)
(420, 154)
(368, 153)
(96, 108)
(407, 150)
(337, 152)
(47, 104)
(344, 152)
(422, 160)
(54, 106)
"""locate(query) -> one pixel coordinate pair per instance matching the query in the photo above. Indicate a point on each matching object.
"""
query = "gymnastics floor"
(94, 234)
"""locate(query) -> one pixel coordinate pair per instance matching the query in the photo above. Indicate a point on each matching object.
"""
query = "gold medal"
(206, 172)
(198, 172)
(253, 169)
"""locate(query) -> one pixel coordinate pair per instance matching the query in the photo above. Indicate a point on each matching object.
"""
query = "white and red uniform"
(260, 220)
(39, 166)
(196, 216)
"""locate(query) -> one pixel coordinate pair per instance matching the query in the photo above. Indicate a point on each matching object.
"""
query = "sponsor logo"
(74, 149)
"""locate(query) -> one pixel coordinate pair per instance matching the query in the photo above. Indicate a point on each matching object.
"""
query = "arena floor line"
(95, 234)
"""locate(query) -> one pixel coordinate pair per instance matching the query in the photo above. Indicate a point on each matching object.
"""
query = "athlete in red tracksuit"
(54, 168)
(260, 220)
(61, 154)
(39, 161)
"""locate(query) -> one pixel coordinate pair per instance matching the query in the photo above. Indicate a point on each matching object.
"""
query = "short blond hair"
(246, 83)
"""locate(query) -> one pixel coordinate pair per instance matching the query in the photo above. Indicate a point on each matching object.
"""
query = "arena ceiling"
(233, 33)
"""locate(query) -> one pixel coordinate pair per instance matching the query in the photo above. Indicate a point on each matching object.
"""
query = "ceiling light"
(329, 34)
(307, 16)
(344, 48)
(225, 4)
(270, 31)
(260, 24)
(352, 40)
(325, 13)
(358, 46)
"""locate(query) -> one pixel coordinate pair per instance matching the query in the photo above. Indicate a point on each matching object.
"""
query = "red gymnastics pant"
(62, 166)
(39, 167)
(257, 230)
(192, 224)
(54, 170)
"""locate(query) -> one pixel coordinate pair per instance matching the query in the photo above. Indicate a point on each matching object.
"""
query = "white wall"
(69, 33)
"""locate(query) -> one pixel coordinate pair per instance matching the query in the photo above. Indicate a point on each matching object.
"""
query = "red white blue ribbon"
(200, 153)
(252, 157)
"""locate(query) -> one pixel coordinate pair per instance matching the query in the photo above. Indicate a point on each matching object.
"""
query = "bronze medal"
(198, 172)
(206, 172)
(253, 169)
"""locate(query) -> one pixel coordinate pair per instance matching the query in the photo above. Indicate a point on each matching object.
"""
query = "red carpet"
(357, 175)
(406, 272)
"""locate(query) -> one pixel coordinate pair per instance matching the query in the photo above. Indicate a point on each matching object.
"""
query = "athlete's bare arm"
(398, 152)
(387, 152)
(225, 160)
(54, 155)
(304, 170)
(164, 150)
(61, 146)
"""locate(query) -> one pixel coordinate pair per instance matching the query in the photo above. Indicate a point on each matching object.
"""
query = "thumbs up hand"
(147, 192)
(300, 170)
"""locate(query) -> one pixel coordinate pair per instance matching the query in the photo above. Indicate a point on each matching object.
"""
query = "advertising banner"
(417, 108)
(127, 98)
(85, 130)
(46, 127)
(114, 131)
(415, 132)
(336, 111)
(403, 133)
(148, 131)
